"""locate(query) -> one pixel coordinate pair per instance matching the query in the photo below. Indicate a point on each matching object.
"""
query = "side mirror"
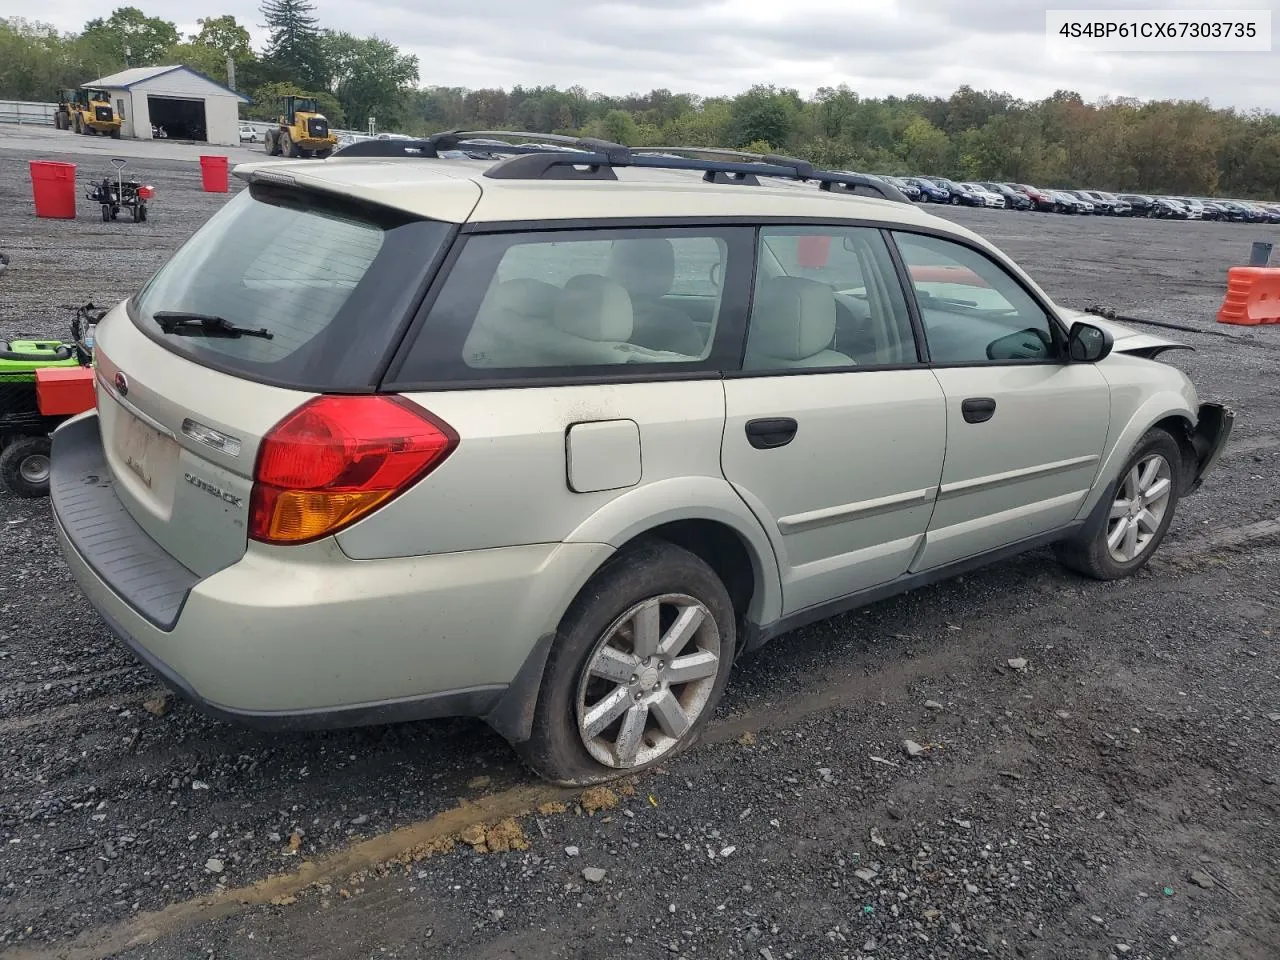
(714, 274)
(1087, 343)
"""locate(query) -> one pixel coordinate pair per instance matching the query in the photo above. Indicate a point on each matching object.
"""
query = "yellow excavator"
(88, 112)
(301, 131)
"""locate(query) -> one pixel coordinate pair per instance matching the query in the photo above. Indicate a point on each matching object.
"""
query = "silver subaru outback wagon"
(550, 436)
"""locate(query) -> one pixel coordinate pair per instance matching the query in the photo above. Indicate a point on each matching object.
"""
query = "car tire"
(24, 466)
(1096, 553)
(594, 673)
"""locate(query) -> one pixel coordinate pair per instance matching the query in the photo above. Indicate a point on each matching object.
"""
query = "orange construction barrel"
(53, 186)
(214, 173)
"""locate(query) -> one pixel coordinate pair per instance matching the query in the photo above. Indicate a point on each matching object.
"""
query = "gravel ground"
(1116, 796)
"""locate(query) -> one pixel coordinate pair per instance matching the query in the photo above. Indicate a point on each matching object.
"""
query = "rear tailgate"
(284, 294)
(180, 441)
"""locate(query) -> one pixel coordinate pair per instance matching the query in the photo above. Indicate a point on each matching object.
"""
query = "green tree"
(620, 127)
(925, 148)
(762, 113)
(294, 47)
(369, 76)
(131, 37)
(225, 35)
(706, 126)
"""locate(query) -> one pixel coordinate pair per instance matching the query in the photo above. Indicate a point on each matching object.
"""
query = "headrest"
(793, 318)
(529, 298)
(594, 308)
(645, 266)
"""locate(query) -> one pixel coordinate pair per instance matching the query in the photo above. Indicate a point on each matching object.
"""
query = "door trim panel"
(813, 519)
(1014, 476)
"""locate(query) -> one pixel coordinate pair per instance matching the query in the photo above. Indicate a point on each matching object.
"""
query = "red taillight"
(147, 192)
(336, 459)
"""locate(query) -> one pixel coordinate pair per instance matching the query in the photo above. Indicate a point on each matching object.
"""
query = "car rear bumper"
(304, 637)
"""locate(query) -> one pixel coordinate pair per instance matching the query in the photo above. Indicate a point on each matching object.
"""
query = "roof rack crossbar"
(553, 156)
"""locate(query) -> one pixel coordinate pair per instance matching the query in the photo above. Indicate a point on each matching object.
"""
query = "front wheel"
(24, 466)
(1143, 501)
(639, 662)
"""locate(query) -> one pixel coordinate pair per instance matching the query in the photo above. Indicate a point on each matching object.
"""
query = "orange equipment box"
(64, 391)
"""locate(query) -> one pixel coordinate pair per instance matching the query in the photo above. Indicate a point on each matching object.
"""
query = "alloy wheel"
(1139, 508)
(648, 680)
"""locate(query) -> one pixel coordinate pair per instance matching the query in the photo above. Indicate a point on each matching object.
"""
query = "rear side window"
(584, 303)
(827, 297)
(332, 283)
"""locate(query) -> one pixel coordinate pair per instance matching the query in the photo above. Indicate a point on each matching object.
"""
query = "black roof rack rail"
(546, 156)
(838, 181)
(480, 143)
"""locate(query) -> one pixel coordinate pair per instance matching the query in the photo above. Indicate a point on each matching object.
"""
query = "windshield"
(323, 277)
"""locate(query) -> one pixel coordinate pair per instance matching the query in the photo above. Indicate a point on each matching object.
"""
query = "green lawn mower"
(42, 383)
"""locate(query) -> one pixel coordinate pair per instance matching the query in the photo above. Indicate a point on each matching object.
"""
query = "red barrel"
(214, 173)
(53, 186)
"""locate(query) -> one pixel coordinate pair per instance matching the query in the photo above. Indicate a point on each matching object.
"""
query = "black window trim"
(580, 375)
(567, 376)
(1057, 326)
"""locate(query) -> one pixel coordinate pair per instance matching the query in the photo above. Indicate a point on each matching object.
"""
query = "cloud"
(710, 47)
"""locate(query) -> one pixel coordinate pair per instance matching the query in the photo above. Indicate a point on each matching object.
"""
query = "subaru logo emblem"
(122, 383)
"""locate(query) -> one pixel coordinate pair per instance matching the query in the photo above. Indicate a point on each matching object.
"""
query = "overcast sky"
(710, 47)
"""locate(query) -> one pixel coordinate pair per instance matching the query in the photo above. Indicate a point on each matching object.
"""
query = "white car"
(647, 416)
(248, 135)
(1195, 209)
(989, 198)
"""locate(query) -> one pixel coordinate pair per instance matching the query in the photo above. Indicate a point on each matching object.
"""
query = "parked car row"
(1023, 196)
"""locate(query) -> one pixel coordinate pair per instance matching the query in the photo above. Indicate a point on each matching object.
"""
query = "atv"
(42, 383)
(115, 196)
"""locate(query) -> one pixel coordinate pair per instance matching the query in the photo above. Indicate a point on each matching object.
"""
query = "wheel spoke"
(606, 711)
(677, 636)
(1159, 490)
(1131, 540)
(1133, 483)
(1120, 509)
(1117, 535)
(694, 666)
(631, 735)
(613, 664)
(1147, 520)
(646, 630)
(670, 715)
(1150, 471)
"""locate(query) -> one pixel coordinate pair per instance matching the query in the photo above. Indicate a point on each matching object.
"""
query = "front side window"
(582, 302)
(973, 311)
(826, 297)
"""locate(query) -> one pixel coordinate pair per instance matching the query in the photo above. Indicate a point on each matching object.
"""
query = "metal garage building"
(185, 104)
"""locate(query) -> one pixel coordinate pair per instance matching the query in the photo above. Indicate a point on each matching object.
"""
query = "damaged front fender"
(1213, 428)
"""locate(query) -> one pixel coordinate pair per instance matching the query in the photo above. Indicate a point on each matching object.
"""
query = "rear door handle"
(978, 409)
(765, 434)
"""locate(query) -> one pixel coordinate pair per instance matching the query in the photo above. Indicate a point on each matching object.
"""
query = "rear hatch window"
(293, 288)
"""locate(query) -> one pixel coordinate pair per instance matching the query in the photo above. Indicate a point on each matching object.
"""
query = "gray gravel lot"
(1116, 797)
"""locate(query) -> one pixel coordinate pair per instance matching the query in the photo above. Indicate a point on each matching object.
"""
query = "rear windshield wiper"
(204, 325)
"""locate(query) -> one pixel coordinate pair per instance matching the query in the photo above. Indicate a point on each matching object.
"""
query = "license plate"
(147, 454)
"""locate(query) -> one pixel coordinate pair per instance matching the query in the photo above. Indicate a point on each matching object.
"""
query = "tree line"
(1175, 147)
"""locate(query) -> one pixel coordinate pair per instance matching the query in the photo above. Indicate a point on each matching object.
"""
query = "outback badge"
(209, 488)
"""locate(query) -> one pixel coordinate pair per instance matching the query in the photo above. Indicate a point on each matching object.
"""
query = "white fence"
(21, 111)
